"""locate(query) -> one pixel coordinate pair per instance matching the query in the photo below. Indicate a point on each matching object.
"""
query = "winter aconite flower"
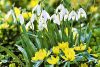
(40, 55)
(26, 15)
(33, 3)
(55, 50)
(17, 11)
(73, 16)
(81, 47)
(84, 65)
(89, 50)
(53, 60)
(63, 45)
(93, 8)
(81, 13)
(69, 54)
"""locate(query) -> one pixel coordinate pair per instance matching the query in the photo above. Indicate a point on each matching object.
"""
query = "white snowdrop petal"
(73, 16)
(21, 18)
(81, 13)
(33, 18)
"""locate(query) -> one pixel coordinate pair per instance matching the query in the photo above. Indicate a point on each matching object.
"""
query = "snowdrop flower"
(62, 12)
(37, 9)
(21, 19)
(33, 18)
(13, 15)
(43, 20)
(30, 23)
(73, 16)
(59, 8)
(66, 14)
(42, 24)
(81, 13)
(56, 19)
(45, 15)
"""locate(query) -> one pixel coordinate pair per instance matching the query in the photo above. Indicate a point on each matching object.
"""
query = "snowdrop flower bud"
(73, 16)
(12, 13)
(55, 19)
(81, 13)
(21, 19)
(8, 14)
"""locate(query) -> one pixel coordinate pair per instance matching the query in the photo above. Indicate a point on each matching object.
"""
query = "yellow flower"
(33, 3)
(63, 45)
(89, 50)
(53, 60)
(0, 62)
(69, 54)
(66, 31)
(93, 8)
(95, 55)
(17, 11)
(4, 25)
(26, 15)
(84, 65)
(55, 50)
(40, 55)
(74, 3)
(81, 47)
(12, 65)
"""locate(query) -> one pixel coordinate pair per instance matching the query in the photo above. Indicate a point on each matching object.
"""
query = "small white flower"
(45, 15)
(43, 20)
(42, 24)
(73, 16)
(13, 15)
(66, 15)
(38, 10)
(33, 18)
(21, 19)
(55, 19)
(81, 13)
(62, 11)
(59, 8)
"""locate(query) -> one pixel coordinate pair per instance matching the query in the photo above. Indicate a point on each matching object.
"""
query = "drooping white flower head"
(81, 13)
(42, 24)
(38, 10)
(45, 15)
(62, 11)
(33, 17)
(13, 15)
(73, 16)
(59, 8)
(21, 19)
(66, 14)
(56, 19)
